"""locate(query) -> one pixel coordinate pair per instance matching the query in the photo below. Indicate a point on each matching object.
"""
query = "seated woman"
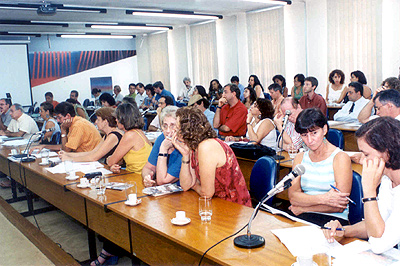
(107, 124)
(379, 142)
(336, 90)
(282, 82)
(260, 124)
(215, 90)
(164, 163)
(198, 89)
(79, 109)
(134, 147)
(360, 77)
(46, 111)
(150, 101)
(255, 83)
(311, 196)
(107, 100)
(297, 90)
(250, 97)
(209, 165)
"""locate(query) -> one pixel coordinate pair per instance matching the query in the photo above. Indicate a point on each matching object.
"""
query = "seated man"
(203, 104)
(74, 95)
(353, 107)
(310, 98)
(77, 133)
(5, 117)
(21, 124)
(385, 102)
(231, 114)
(164, 163)
(290, 137)
(163, 102)
(275, 90)
(160, 91)
(49, 98)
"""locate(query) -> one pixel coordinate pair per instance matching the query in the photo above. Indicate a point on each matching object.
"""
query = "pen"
(329, 228)
(335, 188)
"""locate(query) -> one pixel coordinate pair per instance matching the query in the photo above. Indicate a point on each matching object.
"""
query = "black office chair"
(86, 103)
(263, 178)
(335, 137)
(356, 211)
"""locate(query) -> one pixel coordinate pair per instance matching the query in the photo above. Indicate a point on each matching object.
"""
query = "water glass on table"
(101, 185)
(292, 151)
(205, 209)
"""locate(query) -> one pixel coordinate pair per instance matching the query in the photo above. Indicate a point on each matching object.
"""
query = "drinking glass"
(45, 154)
(101, 185)
(205, 209)
(69, 168)
(292, 152)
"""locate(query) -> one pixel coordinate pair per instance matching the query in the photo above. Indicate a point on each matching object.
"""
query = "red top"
(229, 181)
(317, 101)
(235, 118)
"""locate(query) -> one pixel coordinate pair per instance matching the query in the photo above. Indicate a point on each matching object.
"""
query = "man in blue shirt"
(235, 80)
(202, 104)
(160, 91)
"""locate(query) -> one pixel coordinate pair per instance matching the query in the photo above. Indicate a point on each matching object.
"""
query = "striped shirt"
(318, 178)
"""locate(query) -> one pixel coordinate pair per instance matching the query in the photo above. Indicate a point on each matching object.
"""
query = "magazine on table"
(162, 190)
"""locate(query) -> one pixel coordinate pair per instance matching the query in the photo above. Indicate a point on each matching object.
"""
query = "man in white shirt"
(187, 91)
(353, 107)
(5, 117)
(141, 94)
(387, 103)
(21, 124)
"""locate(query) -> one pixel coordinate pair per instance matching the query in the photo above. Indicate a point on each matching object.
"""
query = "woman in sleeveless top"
(297, 89)
(358, 76)
(250, 97)
(311, 196)
(255, 83)
(79, 110)
(46, 111)
(336, 90)
(134, 147)
(260, 124)
(107, 124)
(282, 82)
(209, 165)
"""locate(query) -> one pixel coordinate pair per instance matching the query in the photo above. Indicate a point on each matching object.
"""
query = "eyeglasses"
(378, 108)
(171, 127)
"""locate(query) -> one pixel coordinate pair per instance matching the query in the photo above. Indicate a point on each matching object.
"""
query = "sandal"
(108, 259)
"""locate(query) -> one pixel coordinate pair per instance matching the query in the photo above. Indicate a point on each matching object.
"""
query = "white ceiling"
(116, 12)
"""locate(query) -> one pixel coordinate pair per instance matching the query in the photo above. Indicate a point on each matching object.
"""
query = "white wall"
(123, 72)
(178, 59)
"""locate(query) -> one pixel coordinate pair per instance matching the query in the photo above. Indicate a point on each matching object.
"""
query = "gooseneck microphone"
(254, 241)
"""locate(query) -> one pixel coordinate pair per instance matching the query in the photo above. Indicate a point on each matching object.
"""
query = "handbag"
(251, 151)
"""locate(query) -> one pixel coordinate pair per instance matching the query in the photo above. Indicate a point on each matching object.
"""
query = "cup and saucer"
(180, 218)
(84, 183)
(72, 177)
(133, 200)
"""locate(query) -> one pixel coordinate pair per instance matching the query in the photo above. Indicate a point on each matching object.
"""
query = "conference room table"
(333, 109)
(146, 230)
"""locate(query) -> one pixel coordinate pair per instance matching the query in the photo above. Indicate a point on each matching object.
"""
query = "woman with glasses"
(164, 163)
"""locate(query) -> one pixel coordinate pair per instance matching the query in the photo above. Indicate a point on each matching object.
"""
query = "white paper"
(85, 167)
(351, 153)
(335, 123)
(18, 142)
(306, 240)
(274, 211)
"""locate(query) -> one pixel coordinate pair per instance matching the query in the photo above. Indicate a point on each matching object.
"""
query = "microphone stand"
(24, 156)
(250, 241)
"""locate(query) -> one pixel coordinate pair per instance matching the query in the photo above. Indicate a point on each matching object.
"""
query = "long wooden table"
(146, 230)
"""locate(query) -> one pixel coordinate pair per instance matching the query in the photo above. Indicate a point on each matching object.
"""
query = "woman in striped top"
(311, 195)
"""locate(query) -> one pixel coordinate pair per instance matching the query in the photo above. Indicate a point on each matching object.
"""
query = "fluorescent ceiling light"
(125, 27)
(281, 3)
(92, 36)
(188, 15)
(264, 9)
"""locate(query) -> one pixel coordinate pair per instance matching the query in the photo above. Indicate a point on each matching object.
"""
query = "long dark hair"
(256, 82)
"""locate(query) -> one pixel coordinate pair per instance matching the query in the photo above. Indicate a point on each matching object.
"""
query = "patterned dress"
(229, 181)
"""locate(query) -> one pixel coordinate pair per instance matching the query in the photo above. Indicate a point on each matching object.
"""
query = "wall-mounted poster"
(102, 83)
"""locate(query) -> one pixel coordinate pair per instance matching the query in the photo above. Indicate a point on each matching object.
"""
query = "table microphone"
(255, 241)
(24, 156)
(285, 119)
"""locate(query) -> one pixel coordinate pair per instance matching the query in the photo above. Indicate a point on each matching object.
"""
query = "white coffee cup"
(304, 260)
(84, 181)
(45, 160)
(180, 215)
(132, 198)
(14, 152)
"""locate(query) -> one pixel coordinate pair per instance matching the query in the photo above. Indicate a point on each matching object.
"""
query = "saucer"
(83, 185)
(75, 177)
(298, 264)
(180, 222)
(133, 203)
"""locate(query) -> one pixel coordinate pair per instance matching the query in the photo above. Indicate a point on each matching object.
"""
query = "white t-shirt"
(389, 208)
(24, 123)
(270, 139)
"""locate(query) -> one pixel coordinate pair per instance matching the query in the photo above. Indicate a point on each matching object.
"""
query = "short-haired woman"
(164, 163)
(107, 124)
(311, 196)
(209, 165)
(134, 147)
(297, 89)
(379, 142)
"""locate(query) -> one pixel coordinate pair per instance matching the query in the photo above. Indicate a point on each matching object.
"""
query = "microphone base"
(28, 159)
(244, 241)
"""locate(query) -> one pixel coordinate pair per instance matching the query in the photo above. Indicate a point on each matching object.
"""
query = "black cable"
(34, 217)
(241, 229)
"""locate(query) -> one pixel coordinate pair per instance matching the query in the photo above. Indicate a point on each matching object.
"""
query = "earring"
(325, 141)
